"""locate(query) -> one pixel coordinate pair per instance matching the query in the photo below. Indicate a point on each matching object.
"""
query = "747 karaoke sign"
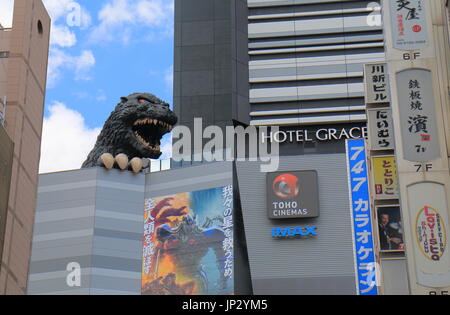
(365, 265)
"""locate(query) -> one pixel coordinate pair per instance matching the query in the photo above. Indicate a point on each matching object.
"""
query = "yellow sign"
(385, 177)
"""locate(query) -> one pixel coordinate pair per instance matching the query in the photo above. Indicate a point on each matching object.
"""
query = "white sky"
(6, 12)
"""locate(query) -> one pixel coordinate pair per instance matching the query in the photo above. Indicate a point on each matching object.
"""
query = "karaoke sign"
(292, 194)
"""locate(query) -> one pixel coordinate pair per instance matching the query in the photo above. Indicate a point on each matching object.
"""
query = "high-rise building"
(211, 63)
(307, 57)
(303, 61)
(24, 43)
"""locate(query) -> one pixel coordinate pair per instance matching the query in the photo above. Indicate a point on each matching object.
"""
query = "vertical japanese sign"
(428, 206)
(409, 24)
(188, 243)
(385, 177)
(417, 115)
(365, 265)
(228, 242)
(149, 230)
(381, 131)
(377, 84)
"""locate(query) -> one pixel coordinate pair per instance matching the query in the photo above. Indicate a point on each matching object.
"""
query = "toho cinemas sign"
(292, 194)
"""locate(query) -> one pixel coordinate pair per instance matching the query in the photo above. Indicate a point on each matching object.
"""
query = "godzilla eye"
(141, 100)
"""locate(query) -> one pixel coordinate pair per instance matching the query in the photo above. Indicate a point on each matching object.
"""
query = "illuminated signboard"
(381, 129)
(366, 270)
(428, 206)
(377, 84)
(385, 177)
(418, 115)
(293, 194)
(297, 231)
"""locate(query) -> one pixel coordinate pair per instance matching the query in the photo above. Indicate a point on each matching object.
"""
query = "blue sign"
(365, 265)
(294, 232)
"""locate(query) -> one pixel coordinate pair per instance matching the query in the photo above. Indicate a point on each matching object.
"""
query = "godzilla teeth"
(142, 140)
(155, 122)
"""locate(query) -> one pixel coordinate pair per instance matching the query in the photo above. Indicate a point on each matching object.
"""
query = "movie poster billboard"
(188, 243)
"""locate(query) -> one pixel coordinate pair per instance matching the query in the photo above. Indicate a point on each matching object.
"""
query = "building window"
(40, 28)
(4, 54)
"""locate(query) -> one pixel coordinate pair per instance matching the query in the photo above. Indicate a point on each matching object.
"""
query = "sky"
(99, 51)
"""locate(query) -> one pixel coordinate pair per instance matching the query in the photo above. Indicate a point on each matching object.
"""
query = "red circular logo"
(417, 28)
(286, 186)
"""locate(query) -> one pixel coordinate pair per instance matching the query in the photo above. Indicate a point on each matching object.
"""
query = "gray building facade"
(307, 58)
(322, 264)
(91, 221)
(211, 62)
(93, 218)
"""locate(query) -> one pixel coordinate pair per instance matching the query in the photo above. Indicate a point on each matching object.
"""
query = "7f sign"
(365, 265)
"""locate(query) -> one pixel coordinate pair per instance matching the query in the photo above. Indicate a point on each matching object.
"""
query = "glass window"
(6, 13)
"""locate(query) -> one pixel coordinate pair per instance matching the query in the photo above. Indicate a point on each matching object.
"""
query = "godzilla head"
(133, 129)
(143, 119)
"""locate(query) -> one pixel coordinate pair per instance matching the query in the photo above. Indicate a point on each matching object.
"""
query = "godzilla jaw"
(148, 132)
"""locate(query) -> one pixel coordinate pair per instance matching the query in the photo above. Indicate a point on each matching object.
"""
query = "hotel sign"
(409, 24)
(323, 134)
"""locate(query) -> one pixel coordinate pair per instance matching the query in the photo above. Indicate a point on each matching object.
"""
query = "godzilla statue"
(133, 131)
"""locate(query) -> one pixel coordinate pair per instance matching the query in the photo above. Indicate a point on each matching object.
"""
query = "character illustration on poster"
(390, 229)
(186, 242)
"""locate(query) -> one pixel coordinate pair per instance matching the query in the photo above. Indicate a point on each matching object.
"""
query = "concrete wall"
(211, 62)
(92, 217)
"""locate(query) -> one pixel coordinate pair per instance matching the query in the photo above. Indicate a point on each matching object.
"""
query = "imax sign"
(294, 231)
